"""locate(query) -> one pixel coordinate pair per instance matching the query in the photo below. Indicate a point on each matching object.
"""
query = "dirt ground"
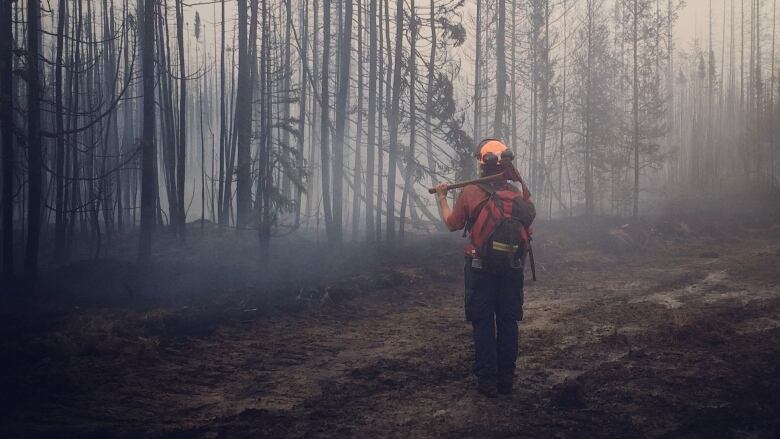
(657, 330)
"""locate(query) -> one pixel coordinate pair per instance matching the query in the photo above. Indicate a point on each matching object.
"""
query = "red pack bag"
(500, 232)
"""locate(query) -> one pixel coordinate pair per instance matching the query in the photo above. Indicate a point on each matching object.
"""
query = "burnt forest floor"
(663, 329)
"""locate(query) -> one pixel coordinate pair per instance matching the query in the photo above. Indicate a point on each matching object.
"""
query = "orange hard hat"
(490, 146)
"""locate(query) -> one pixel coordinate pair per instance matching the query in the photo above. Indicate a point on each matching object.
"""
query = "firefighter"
(498, 217)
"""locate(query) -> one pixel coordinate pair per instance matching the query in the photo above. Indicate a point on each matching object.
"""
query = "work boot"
(504, 388)
(487, 388)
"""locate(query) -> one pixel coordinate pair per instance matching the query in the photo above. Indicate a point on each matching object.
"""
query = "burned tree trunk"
(34, 148)
(410, 162)
(302, 105)
(429, 96)
(286, 95)
(181, 151)
(59, 203)
(6, 128)
(223, 215)
(635, 106)
(477, 71)
(148, 146)
(394, 121)
(325, 121)
(345, 56)
(243, 124)
(356, 193)
(498, 122)
(110, 183)
(372, 104)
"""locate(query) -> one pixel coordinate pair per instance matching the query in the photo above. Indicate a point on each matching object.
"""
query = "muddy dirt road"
(640, 337)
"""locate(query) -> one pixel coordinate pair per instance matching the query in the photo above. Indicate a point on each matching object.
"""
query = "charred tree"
(345, 58)
(357, 171)
(371, 145)
(34, 147)
(394, 121)
(181, 151)
(429, 94)
(243, 116)
(222, 202)
(59, 177)
(6, 129)
(498, 122)
(148, 144)
(325, 122)
(477, 71)
(302, 108)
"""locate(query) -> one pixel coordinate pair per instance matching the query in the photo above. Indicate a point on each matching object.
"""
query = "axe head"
(511, 174)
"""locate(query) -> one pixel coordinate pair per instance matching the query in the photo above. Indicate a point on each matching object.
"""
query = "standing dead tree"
(148, 144)
(7, 132)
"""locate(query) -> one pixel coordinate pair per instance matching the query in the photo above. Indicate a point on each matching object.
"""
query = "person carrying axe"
(497, 216)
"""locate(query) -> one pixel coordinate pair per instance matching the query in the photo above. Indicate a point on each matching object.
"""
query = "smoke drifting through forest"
(334, 115)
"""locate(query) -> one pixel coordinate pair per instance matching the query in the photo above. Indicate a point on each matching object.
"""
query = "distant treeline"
(306, 115)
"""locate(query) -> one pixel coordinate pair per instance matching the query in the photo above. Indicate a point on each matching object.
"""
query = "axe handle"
(461, 184)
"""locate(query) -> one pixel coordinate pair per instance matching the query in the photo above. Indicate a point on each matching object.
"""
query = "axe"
(461, 184)
(509, 173)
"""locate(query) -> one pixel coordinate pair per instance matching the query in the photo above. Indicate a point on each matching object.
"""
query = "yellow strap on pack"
(503, 247)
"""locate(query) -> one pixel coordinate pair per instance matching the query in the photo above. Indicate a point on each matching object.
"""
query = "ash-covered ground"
(658, 329)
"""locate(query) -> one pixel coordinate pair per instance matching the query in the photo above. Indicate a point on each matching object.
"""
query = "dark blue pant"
(494, 304)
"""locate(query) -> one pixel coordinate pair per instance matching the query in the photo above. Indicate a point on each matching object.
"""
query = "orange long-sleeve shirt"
(465, 207)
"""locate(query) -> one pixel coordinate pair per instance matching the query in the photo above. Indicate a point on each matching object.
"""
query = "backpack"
(500, 228)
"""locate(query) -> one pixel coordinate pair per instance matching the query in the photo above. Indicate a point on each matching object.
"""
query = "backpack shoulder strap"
(473, 217)
(492, 191)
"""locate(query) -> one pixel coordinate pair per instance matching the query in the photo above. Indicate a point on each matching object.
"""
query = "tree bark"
(223, 217)
(356, 192)
(513, 79)
(110, 183)
(243, 116)
(59, 203)
(345, 54)
(394, 122)
(498, 122)
(587, 115)
(286, 81)
(182, 140)
(544, 98)
(771, 124)
(372, 104)
(635, 109)
(7, 128)
(34, 148)
(302, 104)
(325, 121)
(563, 109)
(148, 145)
(410, 162)
(429, 96)
(477, 72)
(265, 173)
